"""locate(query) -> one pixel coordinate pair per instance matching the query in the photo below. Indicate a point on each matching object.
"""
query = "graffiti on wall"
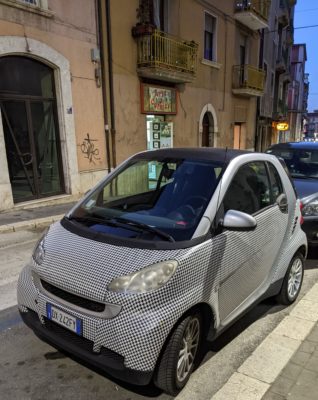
(89, 149)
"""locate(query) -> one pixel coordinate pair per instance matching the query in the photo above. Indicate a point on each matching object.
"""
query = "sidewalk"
(285, 365)
(31, 218)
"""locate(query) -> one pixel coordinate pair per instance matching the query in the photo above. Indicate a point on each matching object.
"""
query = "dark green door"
(28, 109)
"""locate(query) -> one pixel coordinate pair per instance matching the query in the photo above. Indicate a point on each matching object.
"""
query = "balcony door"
(28, 109)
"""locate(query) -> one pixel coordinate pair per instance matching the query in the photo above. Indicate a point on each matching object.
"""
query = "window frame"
(40, 8)
(268, 164)
(213, 58)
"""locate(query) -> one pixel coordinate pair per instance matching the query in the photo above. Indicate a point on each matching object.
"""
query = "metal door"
(32, 149)
(29, 118)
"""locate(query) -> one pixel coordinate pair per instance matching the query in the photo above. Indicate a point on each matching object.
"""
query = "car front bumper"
(310, 227)
(62, 339)
(123, 346)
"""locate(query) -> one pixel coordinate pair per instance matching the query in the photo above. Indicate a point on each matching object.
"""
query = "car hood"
(86, 267)
(305, 187)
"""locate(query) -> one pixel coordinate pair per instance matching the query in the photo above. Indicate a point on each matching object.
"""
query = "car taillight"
(301, 206)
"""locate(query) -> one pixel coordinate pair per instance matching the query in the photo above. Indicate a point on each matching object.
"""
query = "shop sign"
(158, 99)
(281, 126)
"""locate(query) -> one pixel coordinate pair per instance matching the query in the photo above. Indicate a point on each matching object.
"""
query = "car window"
(249, 190)
(301, 163)
(276, 183)
(169, 195)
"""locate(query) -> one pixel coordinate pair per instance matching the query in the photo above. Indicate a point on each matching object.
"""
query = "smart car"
(166, 252)
(301, 159)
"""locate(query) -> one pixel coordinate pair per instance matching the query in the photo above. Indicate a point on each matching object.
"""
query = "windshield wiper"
(303, 176)
(92, 219)
(124, 223)
(145, 227)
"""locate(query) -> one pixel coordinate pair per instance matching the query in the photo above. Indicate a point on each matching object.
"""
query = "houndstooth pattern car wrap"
(86, 267)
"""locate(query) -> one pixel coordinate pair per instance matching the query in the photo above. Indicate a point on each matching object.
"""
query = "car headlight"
(147, 279)
(39, 250)
(311, 209)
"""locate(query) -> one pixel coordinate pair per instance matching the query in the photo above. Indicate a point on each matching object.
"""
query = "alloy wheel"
(190, 343)
(295, 277)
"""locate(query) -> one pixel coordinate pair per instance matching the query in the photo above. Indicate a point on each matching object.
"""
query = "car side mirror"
(282, 203)
(238, 220)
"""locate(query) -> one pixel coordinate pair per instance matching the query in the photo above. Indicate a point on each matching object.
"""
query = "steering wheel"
(195, 201)
(183, 213)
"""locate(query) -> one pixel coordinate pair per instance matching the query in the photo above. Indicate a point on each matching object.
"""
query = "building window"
(33, 2)
(37, 3)
(210, 37)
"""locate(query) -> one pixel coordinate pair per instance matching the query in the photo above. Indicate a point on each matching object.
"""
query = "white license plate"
(64, 319)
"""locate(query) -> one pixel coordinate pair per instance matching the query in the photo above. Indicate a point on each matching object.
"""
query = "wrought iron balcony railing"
(260, 7)
(248, 80)
(252, 13)
(164, 53)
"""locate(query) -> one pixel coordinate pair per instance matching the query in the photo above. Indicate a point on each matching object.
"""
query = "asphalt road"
(31, 369)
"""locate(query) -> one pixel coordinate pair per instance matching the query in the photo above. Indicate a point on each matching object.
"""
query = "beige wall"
(69, 27)
(71, 31)
(213, 84)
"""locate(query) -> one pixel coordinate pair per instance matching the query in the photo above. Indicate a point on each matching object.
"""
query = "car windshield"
(151, 199)
(301, 163)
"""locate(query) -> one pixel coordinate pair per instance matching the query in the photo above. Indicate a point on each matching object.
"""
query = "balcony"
(248, 81)
(282, 63)
(281, 110)
(167, 58)
(252, 13)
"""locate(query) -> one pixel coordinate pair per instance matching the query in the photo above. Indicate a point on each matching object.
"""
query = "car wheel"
(179, 356)
(292, 281)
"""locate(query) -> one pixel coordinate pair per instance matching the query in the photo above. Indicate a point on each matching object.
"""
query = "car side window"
(249, 190)
(276, 183)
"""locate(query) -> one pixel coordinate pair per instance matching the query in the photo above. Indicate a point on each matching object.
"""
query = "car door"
(249, 256)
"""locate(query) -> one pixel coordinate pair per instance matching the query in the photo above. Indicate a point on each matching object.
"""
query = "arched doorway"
(29, 117)
(207, 130)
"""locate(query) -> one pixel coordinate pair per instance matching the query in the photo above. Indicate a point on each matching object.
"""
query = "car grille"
(90, 305)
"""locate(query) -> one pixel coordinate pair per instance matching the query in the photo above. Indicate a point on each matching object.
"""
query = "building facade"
(311, 127)
(298, 92)
(94, 81)
(275, 56)
(52, 141)
(199, 81)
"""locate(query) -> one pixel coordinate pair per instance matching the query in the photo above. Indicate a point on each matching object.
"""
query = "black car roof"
(202, 153)
(296, 145)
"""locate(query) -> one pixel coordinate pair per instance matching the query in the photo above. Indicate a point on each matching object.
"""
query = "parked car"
(301, 159)
(167, 251)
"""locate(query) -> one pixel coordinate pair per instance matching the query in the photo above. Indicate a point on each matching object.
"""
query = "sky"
(306, 13)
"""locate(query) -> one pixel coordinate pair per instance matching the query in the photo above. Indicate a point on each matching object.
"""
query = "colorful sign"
(158, 100)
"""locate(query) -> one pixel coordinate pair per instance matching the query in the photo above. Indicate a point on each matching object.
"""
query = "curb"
(30, 224)
(260, 370)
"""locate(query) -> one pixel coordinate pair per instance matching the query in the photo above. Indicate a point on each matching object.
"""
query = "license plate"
(64, 319)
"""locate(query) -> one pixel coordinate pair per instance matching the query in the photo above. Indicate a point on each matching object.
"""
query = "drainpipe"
(101, 44)
(257, 143)
(111, 83)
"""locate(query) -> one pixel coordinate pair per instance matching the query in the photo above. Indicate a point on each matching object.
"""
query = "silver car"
(166, 252)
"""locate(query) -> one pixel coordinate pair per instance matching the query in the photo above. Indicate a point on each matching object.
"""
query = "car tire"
(292, 281)
(179, 356)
